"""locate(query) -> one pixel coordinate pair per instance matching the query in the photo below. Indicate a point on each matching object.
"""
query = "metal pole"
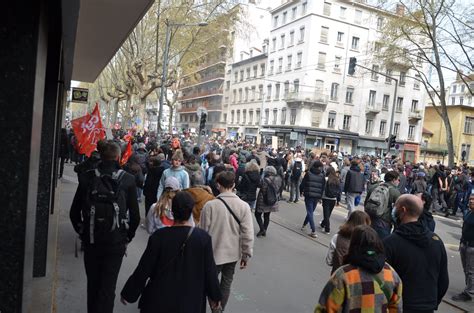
(164, 75)
(392, 116)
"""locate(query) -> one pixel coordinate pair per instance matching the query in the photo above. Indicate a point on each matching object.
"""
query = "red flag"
(88, 130)
(126, 154)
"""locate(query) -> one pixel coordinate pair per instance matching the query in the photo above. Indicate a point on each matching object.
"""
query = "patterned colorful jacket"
(351, 289)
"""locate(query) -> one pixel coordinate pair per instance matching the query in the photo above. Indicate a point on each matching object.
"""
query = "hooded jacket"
(196, 177)
(247, 187)
(313, 184)
(354, 182)
(419, 257)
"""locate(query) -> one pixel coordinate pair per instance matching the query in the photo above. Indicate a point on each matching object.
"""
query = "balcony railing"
(415, 115)
(212, 92)
(373, 108)
(202, 80)
(307, 97)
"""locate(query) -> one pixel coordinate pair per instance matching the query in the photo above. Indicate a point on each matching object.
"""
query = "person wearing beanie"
(176, 170)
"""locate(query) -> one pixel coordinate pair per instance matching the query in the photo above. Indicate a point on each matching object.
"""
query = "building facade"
(311, 101)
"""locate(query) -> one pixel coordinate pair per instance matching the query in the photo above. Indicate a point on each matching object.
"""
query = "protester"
(408, 250)
(175, 170)
(466, 249)
(177, 272)
(426, 218)
(366, 283)
(194, 170)
(339, 245)
(152, 181)
(312, 187)
(330, 194)
(92, 219)
(247, 187)
(353, 185)
(229, 222)
(63, 151)
(135, 169)
(267, 199)
(296, 169)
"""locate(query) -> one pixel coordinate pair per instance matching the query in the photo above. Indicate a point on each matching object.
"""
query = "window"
(269, 91)
(349, 95)
(455, 87)
(346, 122)
(244, 116)
(334, 90)
(250, 117)
(283, 116)
(277, 91)
(331, 119)
(286, 89)
(461, 100)
(337, 64)
(340, 37)
(411, 132)
(396, 128)
(301, 34)
(388, 80)
(465, 148)
(315, 118)
(327, 9)
(368, 126)
(292, 116)
(246, 94)
(232, 117)
(234, 96)
(238, 116)
(319, 87)
(377, 47)
(355, 43)
(453, 100)
(255, 70)
(293, 13)
(260, 92)
(274, 44)
(296, 85)
(324, 34)
(372, 94)
(262, 69)
(385, 102)
(463, 87)
(375, 75)
(358, 17)
(275, 21)
(257, 116)
(383, 125)
(403, 77)
(253, 93)
(267, 116)
(321, 60)
(399, 106)
(241, 75)
(342, 12)
(227, 85)
(236, 77)
(416, 82)
(469, 125)
(282, 41)
(299, 58)
(240, 95)
(248, 73)
(379, 23)
(280, 65)
(270, 70)
(292, 38)
(284, 18)
(304, 6)
(414, 106)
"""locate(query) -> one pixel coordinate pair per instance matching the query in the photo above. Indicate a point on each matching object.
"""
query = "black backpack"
(105, 213)
(297, 170)
(332, 190)
(271, 196)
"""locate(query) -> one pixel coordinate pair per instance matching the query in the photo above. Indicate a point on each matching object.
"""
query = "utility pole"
(164, 75)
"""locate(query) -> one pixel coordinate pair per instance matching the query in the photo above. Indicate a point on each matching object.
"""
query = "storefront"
(371, 146)
(410, 152)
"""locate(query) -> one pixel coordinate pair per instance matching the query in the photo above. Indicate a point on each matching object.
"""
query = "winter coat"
(261, 206)
(247, 188)
(196, 176)
(354, 182)
(419, 257)
(152, 181)
(233, 162)
(135, 169)
(179, 173)
(142, 158)
(393, 195)
(201, 195)
(313, 184)
(419, 186)
(338, 249)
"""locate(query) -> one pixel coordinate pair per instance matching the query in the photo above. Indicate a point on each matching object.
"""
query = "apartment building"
(311, 101)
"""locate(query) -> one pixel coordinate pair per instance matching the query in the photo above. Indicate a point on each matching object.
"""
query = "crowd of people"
(198, 206)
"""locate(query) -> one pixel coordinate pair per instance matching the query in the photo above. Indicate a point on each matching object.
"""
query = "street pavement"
(286, 274)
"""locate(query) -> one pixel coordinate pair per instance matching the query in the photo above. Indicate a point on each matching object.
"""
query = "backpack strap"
(230, 210)
(383, 287)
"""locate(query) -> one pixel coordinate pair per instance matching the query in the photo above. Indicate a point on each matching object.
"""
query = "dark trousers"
(266, 220)
(61, 166)
(227, 276)
(148, 202)
(328, 206)
(102, 265)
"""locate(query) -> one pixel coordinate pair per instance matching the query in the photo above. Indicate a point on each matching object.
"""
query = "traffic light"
(392, 140)
(202, 124)
(352, 65)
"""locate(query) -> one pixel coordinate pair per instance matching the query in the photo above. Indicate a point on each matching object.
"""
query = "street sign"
(200, 111)
(79, 95)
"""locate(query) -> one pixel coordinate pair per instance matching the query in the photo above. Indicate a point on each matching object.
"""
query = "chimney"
(400, 9)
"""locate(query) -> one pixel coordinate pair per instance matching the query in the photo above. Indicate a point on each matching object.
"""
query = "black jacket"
(181, 285)
(354, 181)
(247, 188)
(313, 184)
(152, 181)
(419, 257)
(127, 183)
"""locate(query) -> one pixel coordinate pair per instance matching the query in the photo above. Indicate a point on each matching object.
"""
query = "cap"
(172, 183)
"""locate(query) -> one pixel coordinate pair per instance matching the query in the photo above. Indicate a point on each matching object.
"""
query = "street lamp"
(165, 64)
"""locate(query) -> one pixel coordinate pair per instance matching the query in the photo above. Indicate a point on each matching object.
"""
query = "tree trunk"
(115, 112)
(127, 118)
(449, 134)
(142, 113)
(170, 120)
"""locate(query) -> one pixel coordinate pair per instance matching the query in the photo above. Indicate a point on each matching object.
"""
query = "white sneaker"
(313, 235)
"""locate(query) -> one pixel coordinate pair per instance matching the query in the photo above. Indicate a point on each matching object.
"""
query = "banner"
(126, 154)
(88, 130)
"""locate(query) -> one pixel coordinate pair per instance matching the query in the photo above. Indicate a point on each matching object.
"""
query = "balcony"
(373, 108)
(202, 94)
(312, 99)
(415, 116)
(193, 108)
(202, 80)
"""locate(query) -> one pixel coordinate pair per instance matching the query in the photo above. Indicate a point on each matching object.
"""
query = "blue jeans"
(310, 204)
